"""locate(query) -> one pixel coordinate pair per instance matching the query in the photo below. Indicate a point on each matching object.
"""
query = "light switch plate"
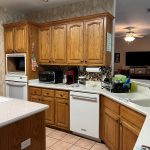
(25, 143)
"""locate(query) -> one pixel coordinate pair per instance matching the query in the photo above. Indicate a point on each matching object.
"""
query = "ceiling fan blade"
(138, 35)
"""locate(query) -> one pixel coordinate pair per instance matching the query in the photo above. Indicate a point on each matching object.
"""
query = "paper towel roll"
(93, 69)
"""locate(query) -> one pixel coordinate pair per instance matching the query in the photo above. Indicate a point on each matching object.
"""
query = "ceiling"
(32, 5)
(132, 13)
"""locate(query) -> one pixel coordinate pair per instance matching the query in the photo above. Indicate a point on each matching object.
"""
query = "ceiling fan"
(130, 35)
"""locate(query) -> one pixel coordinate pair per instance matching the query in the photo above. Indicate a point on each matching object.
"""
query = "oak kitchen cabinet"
(58, 102)
(21, 37)
(59, 44)
(75, 45)
(16, 39)
(45, 45)
(120, 126)
(78, 41)
(94, 36)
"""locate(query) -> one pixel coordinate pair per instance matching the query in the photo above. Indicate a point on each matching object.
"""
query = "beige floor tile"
(61, 146)
(99, 146)
(57, 135)
(77, 148)
(69, 138)
(85, 143)
(50, 141)
(49, 130)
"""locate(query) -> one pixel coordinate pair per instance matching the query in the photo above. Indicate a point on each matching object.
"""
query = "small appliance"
(51, 77)
(70, 76)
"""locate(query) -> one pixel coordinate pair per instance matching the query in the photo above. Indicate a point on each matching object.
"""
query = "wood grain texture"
(93, 44)
(62, 113)
(45, 55)
(75, 40)
(132, 116)
(9, 39)
(59, 44)
(20, 39)
(32, 127)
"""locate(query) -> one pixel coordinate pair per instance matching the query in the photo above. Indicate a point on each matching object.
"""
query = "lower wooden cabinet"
(128, 135)
(58, 101)
(50, 112)
(119, 126)
(62, 113)
(111, 129)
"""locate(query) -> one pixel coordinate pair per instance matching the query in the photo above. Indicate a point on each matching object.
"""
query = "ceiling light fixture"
(129, 38)
(45, 1)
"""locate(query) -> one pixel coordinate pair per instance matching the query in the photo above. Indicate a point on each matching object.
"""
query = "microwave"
(16, 63)
(51, 77)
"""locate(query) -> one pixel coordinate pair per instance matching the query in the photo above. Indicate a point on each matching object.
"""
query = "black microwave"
(51, 77)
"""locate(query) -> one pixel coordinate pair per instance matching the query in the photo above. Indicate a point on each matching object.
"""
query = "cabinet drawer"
(132, 116)
(47, 92)
(36, 98)
(62, 94)
(35, 91)
(110, 104)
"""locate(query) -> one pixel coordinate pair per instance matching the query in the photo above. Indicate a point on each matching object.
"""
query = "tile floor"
(58, 140)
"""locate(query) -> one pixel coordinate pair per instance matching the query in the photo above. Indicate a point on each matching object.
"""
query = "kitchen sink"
(136, 98)
(144, 103)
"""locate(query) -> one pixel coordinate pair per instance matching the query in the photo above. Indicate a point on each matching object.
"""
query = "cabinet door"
(45, 45)
(111, 129)
(49, 113)
(62, 113)
(21, 39)
(128, 135)
(75, 43)
(94, 34)
(9, 39)
(59, 44)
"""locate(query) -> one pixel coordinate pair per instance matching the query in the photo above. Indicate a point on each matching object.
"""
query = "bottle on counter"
(65, 79)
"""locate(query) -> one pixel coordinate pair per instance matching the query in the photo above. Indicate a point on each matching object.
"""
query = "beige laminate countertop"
(143, 138)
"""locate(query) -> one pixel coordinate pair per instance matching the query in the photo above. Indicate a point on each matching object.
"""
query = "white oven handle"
(16, 83)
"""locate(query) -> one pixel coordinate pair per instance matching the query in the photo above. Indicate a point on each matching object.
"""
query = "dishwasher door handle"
(92, 99)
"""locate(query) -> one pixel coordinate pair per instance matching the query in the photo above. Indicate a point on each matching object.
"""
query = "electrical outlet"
(25, 143)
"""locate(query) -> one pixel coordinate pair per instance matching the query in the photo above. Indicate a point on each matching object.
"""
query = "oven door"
(16, 90)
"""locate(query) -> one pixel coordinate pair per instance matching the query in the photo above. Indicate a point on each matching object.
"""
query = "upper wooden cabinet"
(78, 41)
(16, 39)
(9, 39)
(20, 39)
(45, 55)
(94, 36)
(59, 44)
(75, 49)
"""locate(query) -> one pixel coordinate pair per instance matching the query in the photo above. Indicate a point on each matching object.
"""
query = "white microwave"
(16, 63)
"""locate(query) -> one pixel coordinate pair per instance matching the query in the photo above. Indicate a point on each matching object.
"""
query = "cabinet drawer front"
(36, 98)
(110, 104)
(132, 116)
(47, 92)
(62, 94)
(35, 91)
(50, 99)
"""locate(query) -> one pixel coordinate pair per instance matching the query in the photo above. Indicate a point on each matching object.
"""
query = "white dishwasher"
(84, 113)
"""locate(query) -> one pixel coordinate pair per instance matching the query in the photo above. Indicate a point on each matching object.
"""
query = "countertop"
(12, 110)
(143, 138)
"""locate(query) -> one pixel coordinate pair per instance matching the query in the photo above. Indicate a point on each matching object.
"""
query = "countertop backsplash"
(81, 71)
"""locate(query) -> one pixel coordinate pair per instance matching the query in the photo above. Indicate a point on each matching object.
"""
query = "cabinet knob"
(86, 61)
(81, 61)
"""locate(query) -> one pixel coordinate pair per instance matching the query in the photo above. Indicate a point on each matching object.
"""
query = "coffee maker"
(70, 76)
